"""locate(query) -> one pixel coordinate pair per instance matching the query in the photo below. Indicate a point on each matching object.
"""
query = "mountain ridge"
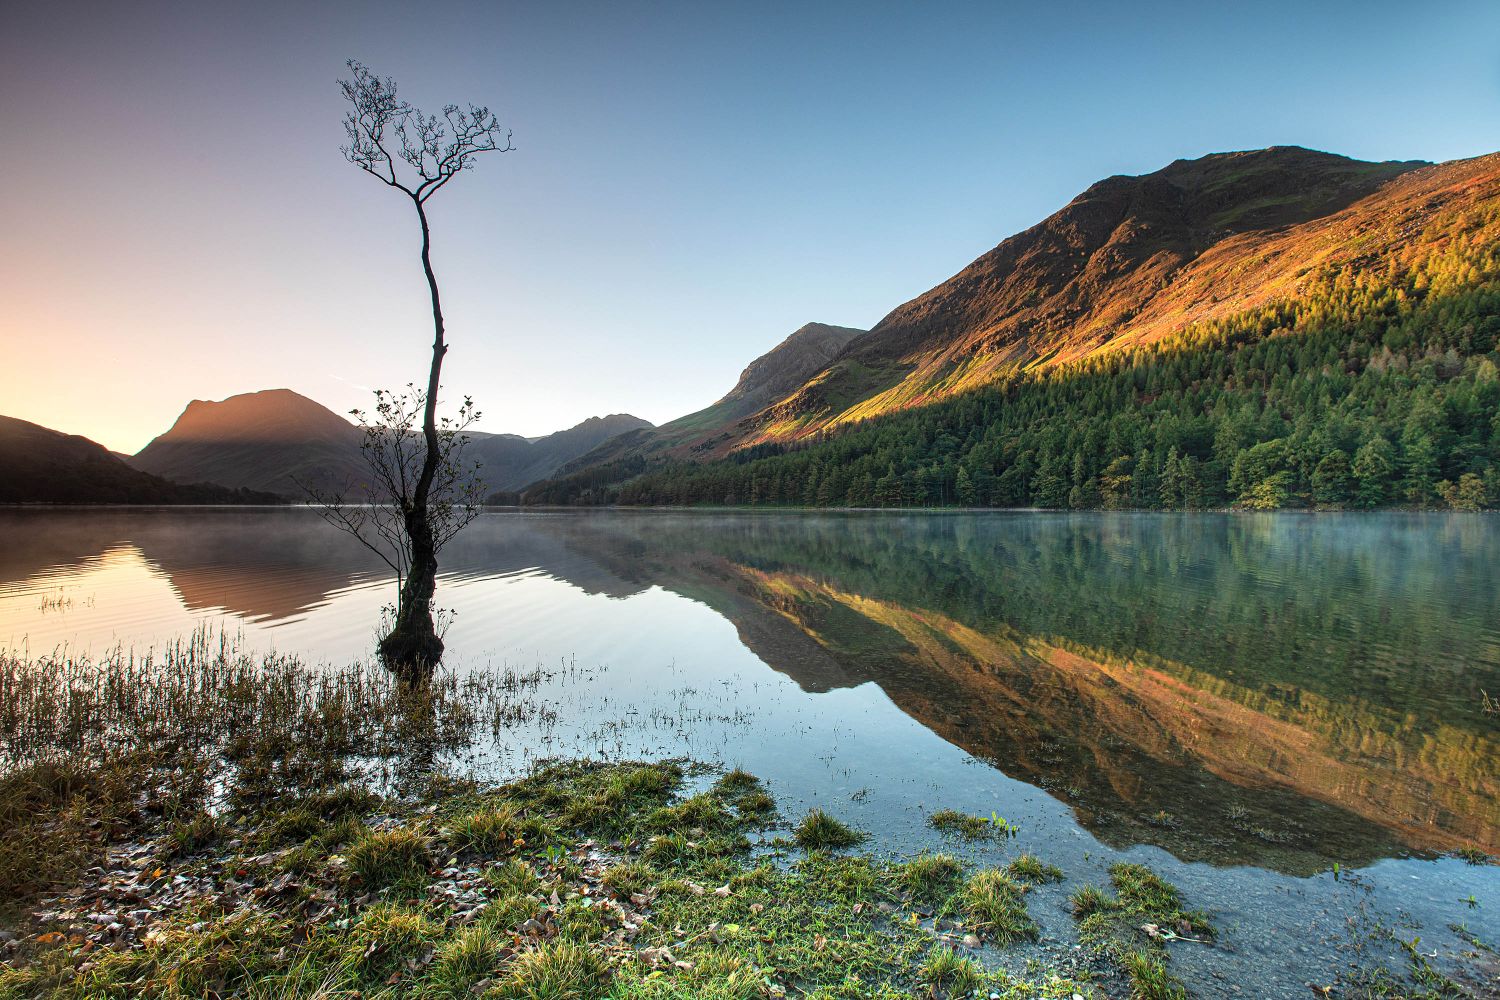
(274, 440)
(42, 465)
(1111, 356)
(1077, 282)
(279, 441)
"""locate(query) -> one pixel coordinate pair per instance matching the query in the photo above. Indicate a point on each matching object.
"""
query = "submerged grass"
(953, 821)
(98, 750)
(1132, 928)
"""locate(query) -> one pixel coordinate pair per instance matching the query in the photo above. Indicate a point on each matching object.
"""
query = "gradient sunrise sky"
(691, 183)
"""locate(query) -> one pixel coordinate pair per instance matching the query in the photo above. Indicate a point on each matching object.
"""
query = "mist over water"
(1238, 700)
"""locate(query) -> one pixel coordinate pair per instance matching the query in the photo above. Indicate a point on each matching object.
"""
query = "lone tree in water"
(427, 495)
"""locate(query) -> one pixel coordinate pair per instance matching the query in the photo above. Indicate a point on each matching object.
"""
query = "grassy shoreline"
(579, 880)
(208, 824)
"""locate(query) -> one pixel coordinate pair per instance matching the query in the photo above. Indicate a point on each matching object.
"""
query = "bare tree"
(395, 450)
(383, 131)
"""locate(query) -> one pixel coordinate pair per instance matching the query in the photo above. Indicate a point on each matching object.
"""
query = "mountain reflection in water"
(1274, 690)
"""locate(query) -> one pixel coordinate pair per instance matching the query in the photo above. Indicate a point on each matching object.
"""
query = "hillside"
(509, 462)
(768, 378)
(273, 440)
(1212, 333)
(39, 465)
(1129, 261)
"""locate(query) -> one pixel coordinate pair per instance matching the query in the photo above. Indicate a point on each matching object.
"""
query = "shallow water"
(1238, 700)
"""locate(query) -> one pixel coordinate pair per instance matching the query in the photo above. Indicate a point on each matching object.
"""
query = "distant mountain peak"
(624, 421)
(790, 363)
(269, 415)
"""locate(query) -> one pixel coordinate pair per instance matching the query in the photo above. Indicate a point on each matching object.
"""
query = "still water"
(1240, 701)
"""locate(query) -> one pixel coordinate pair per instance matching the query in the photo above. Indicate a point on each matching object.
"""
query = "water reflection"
(1282, 691)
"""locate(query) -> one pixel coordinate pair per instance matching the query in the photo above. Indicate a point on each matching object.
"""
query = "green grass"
(699, 814)
(820, 831)
(715, 924)
(196, 832)
(555, 970)
(466, 958)
(930, 877)
(950, 972)
(383, 858)
(490, 830)
(1149, 978)
(743, 791)
(1121, 928)
(1031, 869)
(326, 889)
(387, 937)
(967, 826)
(630, 878)
(995, 906)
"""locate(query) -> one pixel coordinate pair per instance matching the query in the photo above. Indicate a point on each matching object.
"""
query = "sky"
(691, 182)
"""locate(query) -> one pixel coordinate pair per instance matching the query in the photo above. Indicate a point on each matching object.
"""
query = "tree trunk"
(412, 649)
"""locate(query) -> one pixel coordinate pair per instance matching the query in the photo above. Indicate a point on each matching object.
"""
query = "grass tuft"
(630, 878)
(1087, 901)
(490, 831)
(1030, 868)
(966, 826)
(473, 954)
(929, 876)
(387, 937)
(819, 831)
(1130, 928)
(951, 972)
(555, 970)
(193, 834)
(995, 904)
(700, 813)
(384, 858)
(1149, 978)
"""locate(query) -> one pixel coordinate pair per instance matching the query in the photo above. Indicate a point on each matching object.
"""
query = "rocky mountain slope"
(770, 377)
(1273, 328)
(1129, 261)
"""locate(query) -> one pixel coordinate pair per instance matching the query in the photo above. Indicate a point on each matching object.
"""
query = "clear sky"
(691, 182)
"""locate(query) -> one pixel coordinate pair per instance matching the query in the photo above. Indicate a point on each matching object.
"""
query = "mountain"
(274, 440)
(771, 376)
(1211, 333)
(280, 442)
(766, 379)
(39, 465)
(509, 462)
(1129, 261)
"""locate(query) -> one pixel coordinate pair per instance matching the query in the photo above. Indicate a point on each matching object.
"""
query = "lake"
(1240, 701)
